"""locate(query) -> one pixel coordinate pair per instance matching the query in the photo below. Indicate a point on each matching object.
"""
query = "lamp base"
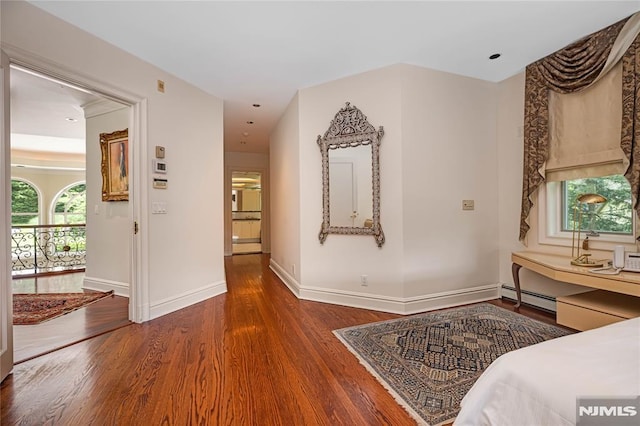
(583, 260)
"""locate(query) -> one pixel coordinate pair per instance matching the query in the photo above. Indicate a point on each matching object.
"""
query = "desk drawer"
(594, 309)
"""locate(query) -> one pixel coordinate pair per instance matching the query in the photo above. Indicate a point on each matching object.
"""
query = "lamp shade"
(591, 199)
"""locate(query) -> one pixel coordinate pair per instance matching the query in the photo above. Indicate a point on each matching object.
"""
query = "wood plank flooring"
(100, 317)
(253, 356)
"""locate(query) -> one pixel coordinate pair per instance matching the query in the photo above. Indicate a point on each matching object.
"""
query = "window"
(613, 223)
(614, 217)
(24, 203)
(70, 207)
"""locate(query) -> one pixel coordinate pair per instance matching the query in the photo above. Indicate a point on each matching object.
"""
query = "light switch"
(159, 207)
(468, 205)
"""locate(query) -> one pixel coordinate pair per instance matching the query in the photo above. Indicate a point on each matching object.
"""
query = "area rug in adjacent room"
(429, 361)
(38, 307)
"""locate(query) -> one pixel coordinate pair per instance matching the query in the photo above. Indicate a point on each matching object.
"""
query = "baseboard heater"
(537, 300)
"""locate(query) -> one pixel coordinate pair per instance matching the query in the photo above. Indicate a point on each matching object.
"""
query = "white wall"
(449, 154)
(185, 251)
(335, 267)
(108, 223)
(284, 161)
(434, 255)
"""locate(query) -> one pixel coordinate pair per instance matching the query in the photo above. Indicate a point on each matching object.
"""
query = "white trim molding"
(401, 305)
(98, 284)
(172, 304)
(396, 305)
(285, 277)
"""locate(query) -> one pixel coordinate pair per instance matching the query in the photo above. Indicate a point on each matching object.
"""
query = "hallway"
(254, 356)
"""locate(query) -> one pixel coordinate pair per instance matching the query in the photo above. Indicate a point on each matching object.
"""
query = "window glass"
(71, 206)
(24, 203)
(615, 216)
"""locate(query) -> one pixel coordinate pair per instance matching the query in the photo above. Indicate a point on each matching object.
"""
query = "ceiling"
(46, 116)
(262, 52)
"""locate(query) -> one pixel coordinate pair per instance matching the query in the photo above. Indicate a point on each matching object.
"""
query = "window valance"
(568, 71)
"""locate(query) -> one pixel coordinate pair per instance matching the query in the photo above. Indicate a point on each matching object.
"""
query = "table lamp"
(577, 258)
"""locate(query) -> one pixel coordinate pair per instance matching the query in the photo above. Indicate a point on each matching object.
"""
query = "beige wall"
(108, 223)
(435, 254)
(449, 154)
(182, 255)
(284, 160)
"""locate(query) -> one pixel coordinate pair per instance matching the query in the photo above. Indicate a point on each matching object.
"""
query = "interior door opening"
(246, 212)
(51, 200)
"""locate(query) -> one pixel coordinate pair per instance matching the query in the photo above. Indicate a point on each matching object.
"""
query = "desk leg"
(515, 270)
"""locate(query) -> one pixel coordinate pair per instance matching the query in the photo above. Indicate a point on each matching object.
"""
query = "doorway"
(246, 212)
(50, 139)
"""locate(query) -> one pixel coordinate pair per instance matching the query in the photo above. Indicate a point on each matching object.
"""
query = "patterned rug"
(36, 308)
(429, 361)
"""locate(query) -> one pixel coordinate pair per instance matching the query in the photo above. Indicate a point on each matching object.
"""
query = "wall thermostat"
(159, 183)
(159, 166)
(159, 151)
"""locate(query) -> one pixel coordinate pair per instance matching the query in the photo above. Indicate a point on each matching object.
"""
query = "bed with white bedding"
(539, 384)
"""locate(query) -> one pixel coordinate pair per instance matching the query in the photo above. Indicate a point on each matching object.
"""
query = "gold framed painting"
(115, 165)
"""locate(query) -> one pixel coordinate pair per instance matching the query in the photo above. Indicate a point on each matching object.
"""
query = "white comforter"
(538, 385)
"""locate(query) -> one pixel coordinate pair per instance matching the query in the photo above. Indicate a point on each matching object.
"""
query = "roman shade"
(576, 101)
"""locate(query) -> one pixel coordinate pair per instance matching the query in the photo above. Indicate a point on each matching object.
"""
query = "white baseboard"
(401, 305)
(98, 284)
(397, 305)
(285, 277)
(538, 300)
(172, 304)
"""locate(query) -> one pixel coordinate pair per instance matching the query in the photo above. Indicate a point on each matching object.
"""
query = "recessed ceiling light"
(249, 122)
(494, 56)
(71, 119)
(256, 105)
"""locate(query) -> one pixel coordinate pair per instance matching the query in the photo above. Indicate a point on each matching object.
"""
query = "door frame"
(139, 310)
(6, 300)
(265, 228)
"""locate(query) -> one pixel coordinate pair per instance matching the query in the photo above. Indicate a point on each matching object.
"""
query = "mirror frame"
(350, 128)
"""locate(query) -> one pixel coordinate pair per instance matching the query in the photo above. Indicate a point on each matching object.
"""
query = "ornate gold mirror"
(351, 176)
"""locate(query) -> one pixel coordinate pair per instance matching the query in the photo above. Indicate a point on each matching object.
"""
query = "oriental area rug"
(36, 308)
(429, 361)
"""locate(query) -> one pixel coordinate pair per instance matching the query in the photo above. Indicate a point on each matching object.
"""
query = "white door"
(342, 196)
(6, 304)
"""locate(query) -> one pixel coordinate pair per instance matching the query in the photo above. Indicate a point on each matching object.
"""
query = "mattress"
(539, 384)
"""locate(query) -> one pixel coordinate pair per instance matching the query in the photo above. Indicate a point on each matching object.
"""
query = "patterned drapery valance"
(568, 70)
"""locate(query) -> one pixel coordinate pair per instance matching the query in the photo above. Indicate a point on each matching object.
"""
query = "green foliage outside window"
(24, 203)
(615, 216)
(71, 206)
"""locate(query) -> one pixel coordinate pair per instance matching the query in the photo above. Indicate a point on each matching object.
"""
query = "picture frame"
(114, 147)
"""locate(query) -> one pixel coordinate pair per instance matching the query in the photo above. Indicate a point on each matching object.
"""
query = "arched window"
(70, 206)
(24, 203)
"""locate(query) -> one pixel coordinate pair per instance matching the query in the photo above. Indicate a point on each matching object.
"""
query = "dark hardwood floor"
(253, 356)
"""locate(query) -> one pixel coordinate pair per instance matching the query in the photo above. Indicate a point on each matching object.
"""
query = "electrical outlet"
(364, 280)
(468, 205)
(293, 270)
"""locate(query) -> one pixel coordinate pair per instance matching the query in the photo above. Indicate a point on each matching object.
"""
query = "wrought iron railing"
(47, 249)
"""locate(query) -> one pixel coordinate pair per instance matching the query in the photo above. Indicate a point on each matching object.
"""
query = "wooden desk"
(560, 268)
